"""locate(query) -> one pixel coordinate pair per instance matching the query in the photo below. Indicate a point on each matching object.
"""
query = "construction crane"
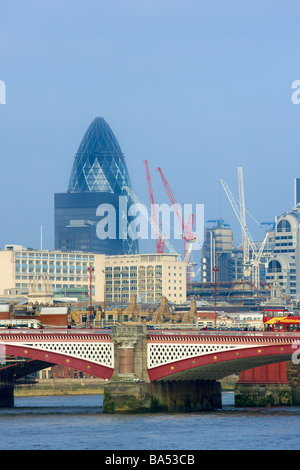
(159, 240)
(252, 266)
(256, 262)
(195, 274)
(148, 217)
(219, 222)
(187, 233)
(245, 239)
(249, 266)
(269, 223)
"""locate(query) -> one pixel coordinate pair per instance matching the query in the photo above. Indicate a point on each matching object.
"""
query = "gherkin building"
(99, 165)
(98, 177)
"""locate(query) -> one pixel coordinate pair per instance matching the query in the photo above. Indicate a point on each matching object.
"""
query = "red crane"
(187, 234)
(159, 240)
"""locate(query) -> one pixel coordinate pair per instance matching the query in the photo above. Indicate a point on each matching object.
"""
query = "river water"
(78, 423)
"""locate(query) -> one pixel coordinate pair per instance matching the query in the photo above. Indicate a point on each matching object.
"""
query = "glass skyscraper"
(98, 177)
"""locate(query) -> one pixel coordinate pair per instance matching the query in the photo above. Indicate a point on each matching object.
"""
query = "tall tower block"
(98, 176)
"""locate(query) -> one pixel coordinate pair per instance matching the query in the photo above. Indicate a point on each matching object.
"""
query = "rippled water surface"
(77, 422)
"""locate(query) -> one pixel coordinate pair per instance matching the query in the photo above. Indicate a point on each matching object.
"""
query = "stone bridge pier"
(131, 391)
(6, 391)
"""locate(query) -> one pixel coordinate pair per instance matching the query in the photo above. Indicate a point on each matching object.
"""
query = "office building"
(22, 270)
(217, 251)
(148, 276)
(284, 266)
(285, 263)
(97, 181)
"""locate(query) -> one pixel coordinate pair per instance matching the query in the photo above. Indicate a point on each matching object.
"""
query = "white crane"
(250, 266)
(245, 240)
(244, 228)
(256, 262)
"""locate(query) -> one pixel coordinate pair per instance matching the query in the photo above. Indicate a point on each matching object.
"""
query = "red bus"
(281, 320)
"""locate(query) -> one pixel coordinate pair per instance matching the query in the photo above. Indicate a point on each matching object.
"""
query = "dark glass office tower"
(98, 177)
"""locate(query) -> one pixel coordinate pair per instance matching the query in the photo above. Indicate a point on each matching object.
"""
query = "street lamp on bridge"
(215, 270)
(91, 270)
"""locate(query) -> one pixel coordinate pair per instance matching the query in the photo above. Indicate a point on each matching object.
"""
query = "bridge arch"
(84, 351)
(221, 362)
(48, 359)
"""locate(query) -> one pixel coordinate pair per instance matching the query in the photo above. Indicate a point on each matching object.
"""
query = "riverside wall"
(49, 387)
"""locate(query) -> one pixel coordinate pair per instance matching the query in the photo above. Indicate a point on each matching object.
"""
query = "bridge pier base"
(193, 395)
(263, 395)
(131, 391)
(293, 373)
(6, 391)
(264, 386)
(141, 397)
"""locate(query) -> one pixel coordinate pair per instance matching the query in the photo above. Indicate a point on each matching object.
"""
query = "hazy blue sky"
(196, 87)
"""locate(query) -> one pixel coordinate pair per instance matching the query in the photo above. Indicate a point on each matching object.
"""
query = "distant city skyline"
(195, 88)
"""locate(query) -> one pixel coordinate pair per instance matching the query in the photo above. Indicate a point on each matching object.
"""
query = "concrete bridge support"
(6, 391)
(197, 395)
(130, 389)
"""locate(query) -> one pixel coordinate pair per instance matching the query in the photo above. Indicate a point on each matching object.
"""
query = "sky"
(195, 87)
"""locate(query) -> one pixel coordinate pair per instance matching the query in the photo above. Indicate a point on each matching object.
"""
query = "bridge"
(145, 369)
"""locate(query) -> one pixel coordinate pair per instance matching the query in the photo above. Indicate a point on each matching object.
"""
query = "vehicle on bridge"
(21, 323)
(281, 320)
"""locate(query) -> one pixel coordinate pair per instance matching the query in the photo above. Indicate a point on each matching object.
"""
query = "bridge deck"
(171, 354)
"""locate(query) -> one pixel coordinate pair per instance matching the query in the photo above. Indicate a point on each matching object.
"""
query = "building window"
(284, 226)
(274, 266)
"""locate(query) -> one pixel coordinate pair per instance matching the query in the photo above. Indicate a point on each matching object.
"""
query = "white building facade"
(148, 276)
(285, 264)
